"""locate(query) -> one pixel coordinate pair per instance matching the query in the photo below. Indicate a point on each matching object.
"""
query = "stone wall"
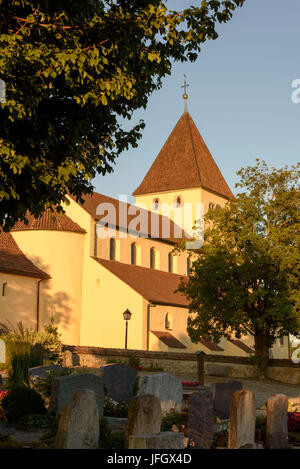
(185, 363)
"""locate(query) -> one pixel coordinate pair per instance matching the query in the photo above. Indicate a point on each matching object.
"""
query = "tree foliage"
(72, 69)
(245, 279)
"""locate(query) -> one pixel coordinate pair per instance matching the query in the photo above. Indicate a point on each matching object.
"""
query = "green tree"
(245, 279)
(72, 70)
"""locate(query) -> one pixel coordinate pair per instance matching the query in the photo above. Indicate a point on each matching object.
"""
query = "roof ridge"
(193, 146)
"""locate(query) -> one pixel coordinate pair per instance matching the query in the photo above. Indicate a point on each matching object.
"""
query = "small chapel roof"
(154, 285)
(184, 162)
(14, 261)
(48, 220)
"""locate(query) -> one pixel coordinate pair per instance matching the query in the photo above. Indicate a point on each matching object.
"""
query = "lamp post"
(126, 315)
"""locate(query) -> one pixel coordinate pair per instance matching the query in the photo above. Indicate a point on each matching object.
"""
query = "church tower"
(184, 174)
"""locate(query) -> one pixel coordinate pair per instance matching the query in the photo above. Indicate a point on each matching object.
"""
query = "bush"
(261, 427)
(21, 401)
(170, 419)
(134, 361)
(44, 385)
(22, 356)
(114, 409)
(47, 342)
(51, 343)
(109, 440)
(39, 421)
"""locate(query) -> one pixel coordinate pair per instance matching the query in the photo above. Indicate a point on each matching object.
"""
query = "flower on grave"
(3, 394)
(294, 421)
(174, 428)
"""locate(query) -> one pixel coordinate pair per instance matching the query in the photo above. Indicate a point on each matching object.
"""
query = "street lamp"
(126, 315)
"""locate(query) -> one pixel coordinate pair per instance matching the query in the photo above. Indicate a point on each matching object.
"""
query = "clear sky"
(239, 97)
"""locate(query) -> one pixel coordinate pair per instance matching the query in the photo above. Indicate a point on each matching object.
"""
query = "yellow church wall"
(60, 254)
(210, 197)
(19, 302)
(143, 246)
(188, 196)
(178, 317)
(105, 299)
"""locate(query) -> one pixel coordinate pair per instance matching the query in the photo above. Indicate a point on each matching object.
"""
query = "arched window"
(178, 202)
(152, 258)
(4, 288)
(170, 262)
(168, 321)
(156, 204)
(112, 249)
(188, 266)
(133, 254)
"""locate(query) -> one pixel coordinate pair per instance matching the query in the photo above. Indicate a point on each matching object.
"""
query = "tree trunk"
(262, 350)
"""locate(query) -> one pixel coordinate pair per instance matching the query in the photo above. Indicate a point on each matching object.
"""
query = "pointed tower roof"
(184, 162)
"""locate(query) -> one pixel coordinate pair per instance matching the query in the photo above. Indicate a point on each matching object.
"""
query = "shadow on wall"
(57, 305)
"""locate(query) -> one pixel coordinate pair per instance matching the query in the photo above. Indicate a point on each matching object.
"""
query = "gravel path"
(262, 389)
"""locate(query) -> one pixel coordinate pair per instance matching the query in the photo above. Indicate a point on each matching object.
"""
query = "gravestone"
(2, 351)
(222, 394)
(41, 372)
(78, 426)
(166, 387)
(67, 359)
(144, 416)
(201, 419)
(64, 386)
(164, 440)
(242, 420)
(277, 422)
(119, 381)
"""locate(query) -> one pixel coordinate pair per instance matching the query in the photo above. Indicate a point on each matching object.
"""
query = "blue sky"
(239, 97)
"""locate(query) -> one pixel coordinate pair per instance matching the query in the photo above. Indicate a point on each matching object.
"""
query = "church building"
(85, 269)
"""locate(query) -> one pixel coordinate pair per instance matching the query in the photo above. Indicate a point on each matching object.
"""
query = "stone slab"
(164, 440)
(119, 381)
(79, 424)
(166, 387)
(222, 395)
(64, 386)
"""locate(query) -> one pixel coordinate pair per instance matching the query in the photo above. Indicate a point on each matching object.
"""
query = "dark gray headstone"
(64, 386)
(119, 381)
(222, 395)
(201, 419)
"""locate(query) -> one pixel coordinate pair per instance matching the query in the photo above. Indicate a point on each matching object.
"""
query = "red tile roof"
(48, 221)
(184, 162)
(91, 203)
(154, 285)
(241, 345)
(168, 339)
(211, 345)
(14, 261)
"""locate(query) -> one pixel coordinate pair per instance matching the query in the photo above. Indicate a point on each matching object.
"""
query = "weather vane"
(185, 95)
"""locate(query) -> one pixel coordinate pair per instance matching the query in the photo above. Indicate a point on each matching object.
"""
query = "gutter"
(149, 305)
(38, 304)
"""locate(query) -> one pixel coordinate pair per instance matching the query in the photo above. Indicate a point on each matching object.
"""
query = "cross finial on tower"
(185, 95)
